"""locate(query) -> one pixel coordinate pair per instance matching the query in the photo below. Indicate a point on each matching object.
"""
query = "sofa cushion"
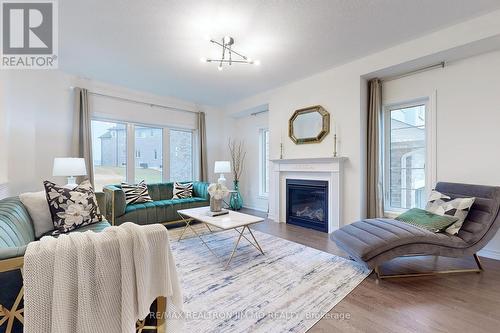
(187, 200)
(158, 211)
(162, 203)
(96, 227)
(161, 191)
(38, 208)
(371, 237)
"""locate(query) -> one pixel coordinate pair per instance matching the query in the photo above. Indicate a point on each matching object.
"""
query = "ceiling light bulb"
(219, 68)
(256, 62)
(227, 40)
(203, 59)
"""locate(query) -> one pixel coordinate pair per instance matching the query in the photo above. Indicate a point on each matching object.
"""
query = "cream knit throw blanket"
(99, 282)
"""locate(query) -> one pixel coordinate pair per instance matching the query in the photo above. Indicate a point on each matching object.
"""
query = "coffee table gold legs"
(235, 246)
(256, 244)
(255, 240)
(187, 221)
(188, 225)
(240, 235)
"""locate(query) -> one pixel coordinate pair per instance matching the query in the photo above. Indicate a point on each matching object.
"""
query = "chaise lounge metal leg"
(479, 269)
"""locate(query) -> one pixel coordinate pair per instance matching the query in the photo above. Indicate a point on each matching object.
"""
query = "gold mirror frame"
(325, 115)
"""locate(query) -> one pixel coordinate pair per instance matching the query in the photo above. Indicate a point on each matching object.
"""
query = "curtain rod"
(442, 64)
(258, 112)
(140, 102)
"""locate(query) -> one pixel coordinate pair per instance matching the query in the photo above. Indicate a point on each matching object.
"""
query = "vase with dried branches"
(238, 154)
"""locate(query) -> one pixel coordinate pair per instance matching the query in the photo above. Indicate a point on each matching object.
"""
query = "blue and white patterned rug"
(286, 290)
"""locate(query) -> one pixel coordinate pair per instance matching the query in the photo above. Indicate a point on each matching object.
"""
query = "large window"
(116, 145)
(181, 155)
(405, 156)
(148, 154)
(264, 162)
(109, 150)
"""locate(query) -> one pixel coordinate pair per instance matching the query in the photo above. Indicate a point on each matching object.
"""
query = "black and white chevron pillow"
(136, 193)
(182, 191)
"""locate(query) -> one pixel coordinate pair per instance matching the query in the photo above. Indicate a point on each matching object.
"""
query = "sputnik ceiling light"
(228, 53)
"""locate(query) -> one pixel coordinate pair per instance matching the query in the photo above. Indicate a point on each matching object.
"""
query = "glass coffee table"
(237, 221)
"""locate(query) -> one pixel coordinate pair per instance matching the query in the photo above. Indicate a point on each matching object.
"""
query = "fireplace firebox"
(307, 203)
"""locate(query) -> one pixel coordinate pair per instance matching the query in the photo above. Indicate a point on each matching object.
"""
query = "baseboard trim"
(254, 208)
(492, 254)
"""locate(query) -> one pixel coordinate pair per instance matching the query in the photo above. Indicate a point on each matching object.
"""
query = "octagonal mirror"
(309, 125)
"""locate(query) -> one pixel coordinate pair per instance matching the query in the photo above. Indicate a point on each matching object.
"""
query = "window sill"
(393, 213)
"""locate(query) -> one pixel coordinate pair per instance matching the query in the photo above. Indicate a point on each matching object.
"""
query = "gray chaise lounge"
(375, 241)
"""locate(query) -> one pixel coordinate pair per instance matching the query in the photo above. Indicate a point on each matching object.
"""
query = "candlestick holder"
(281, 151)
(335, 145)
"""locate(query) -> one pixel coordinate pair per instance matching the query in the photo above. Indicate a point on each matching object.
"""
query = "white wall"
(342, 91)
(336, 96)
(468, 115)
(38, 108)
(247, 128)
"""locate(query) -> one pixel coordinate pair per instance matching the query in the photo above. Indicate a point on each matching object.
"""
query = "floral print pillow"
(72, 208)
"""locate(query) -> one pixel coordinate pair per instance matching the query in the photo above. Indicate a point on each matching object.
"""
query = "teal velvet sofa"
(16, 232)
(163, 209)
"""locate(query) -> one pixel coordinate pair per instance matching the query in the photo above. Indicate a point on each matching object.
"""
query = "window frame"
(127, 143)
(430, 147)
(130, 127)
(138, 154)
(263, 170)
(194, 141)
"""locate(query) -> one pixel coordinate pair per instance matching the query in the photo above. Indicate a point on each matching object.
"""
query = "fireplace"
(307, 203)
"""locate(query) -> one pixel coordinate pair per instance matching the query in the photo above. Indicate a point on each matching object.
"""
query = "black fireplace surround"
(307, 203)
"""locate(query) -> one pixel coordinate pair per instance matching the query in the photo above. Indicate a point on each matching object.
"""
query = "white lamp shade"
(222, 167)
(69, 166)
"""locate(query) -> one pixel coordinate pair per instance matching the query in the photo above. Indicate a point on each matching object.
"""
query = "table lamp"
(69, 167)
(222, 167)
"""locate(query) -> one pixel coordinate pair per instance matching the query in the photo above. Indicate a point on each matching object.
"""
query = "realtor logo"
(29, 34)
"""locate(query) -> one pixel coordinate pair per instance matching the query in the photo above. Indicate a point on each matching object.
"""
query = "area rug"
(288, 289)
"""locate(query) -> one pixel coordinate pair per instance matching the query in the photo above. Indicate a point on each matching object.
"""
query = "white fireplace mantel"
(319, 168)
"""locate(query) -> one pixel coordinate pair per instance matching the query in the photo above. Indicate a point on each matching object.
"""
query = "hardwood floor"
(448, 303)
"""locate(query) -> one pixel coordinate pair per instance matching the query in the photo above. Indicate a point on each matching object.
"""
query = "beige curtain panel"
(202, 133)
(375, 204)
(82, 138)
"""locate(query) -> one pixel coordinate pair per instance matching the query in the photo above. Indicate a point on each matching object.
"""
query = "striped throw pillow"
(136, 193)
(182, 191)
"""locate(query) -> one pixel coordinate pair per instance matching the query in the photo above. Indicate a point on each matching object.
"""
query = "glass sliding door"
(109, 151)
(148, 154)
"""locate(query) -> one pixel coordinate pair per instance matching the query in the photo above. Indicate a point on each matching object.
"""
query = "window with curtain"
(181, 155)
(264, 162)
(109, 148)
(148, 163)
(405, 156)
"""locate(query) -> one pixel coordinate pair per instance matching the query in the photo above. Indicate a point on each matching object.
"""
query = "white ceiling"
(155, 45)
